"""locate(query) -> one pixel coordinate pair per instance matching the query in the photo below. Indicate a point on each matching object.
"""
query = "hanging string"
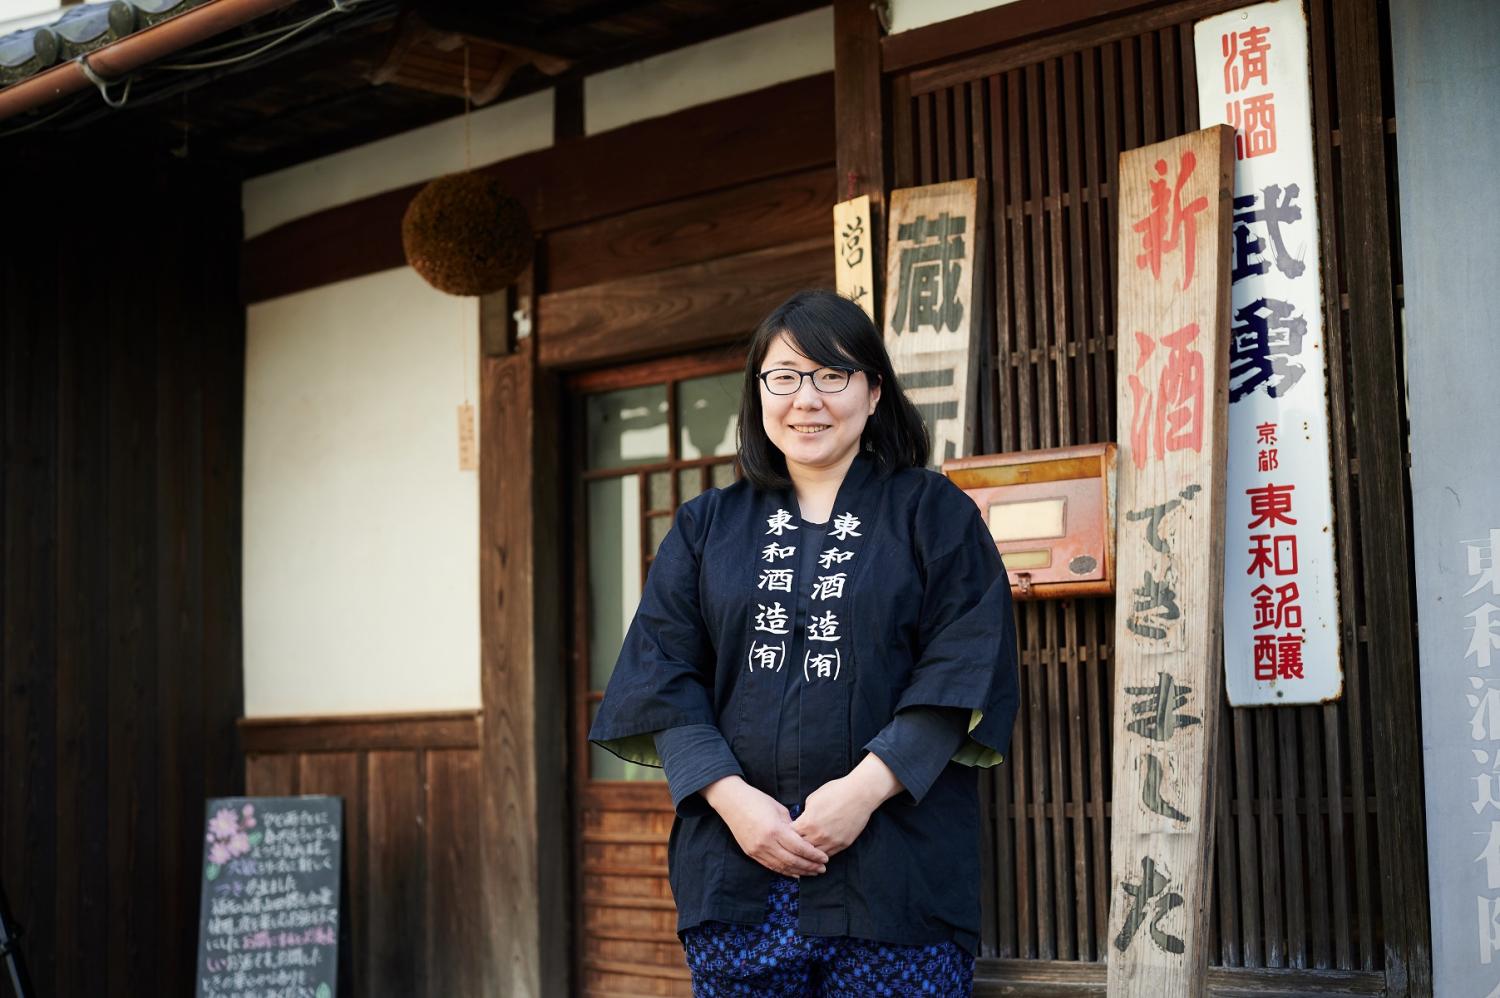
(468, 100)
(463, 325)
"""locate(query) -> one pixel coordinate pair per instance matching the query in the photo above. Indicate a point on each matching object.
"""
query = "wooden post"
(1173, 407)
(523, 831)
(860, 120)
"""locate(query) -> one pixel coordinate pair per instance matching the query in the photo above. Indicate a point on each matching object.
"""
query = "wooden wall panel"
(775, 212)
(120, 374)
(786, 128)
(1318, 845)
(685, 308)
(411, 840)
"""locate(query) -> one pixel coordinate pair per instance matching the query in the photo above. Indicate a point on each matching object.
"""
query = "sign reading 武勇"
(1172, 291)
(1281, 611)
(930, 307)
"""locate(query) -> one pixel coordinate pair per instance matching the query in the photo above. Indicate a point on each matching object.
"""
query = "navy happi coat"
(909, 607)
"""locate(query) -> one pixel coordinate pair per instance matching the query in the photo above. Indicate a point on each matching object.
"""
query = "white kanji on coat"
(779, 521)
(823, 665)
(833, 556)
(824, 628)
(766, 656)
(829, 586)
(775, 580)
(771, 619)
(845, 526)
(775, 552)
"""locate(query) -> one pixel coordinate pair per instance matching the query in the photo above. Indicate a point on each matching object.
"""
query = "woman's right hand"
(763, 828)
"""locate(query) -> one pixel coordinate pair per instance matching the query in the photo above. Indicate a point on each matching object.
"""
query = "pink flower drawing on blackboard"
(230, 835)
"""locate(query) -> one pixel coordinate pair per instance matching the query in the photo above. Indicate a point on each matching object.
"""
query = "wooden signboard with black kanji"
(1172, 409)
(854, 253)
(931, 307)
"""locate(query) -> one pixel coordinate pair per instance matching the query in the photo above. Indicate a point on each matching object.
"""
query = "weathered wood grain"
(1172, 325)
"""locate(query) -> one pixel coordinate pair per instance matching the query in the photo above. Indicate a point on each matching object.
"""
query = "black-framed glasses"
(788, 380)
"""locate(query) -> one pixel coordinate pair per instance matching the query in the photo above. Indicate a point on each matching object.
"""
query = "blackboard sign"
(270, 913)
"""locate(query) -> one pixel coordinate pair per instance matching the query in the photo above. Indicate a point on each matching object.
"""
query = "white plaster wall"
(361, 566)
(18, 15)
(501, 131)
(361, 574)
(909, 14)
(748, 60)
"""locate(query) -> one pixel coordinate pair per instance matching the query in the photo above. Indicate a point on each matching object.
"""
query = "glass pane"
(707, 413)
(659, 486)
(614, 569)
(627, 427)
(722, 475)
(605, 765)
(658, 527)
(689, 483)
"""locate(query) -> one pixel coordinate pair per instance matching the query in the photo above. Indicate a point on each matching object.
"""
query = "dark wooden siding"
(121, 367)
(1319, 859)
(410, 784)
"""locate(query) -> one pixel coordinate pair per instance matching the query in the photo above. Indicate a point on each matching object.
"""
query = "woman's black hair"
(831, 331)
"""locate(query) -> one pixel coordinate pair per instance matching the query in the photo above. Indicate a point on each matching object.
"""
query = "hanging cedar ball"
(465, 235)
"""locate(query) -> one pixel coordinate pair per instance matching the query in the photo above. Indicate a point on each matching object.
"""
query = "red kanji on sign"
(1265, 433)
(1278, 554)
(1276, 608)
(1169, 221)
(1171, 418)
(1267, 461)
(1245, 57)
(1254, 123)
(1277, 656)
(1270, 505)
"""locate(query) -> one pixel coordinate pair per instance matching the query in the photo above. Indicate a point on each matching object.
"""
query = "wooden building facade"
(492, 852)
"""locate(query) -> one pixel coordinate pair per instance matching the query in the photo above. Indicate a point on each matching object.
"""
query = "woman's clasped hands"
(834, 816)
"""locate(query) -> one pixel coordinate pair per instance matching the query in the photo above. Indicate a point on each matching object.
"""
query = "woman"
(815, 644)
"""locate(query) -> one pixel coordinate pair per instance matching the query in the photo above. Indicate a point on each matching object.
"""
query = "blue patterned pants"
(774, 960)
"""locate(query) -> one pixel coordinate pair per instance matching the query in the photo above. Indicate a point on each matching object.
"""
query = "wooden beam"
(523, 830)
(861, 113)
(360, 732)
(753, 216)
(1002, 25)
(1059, 978)
(685, 308)
(781, 129)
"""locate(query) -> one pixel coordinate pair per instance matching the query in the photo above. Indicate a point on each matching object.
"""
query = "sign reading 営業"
(854, 253)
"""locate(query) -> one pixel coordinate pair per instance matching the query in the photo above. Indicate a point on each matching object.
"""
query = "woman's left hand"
(838, 811)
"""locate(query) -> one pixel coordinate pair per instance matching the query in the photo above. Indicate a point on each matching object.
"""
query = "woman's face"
(813, 429)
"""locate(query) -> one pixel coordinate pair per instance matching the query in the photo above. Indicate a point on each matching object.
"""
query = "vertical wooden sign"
(1172, 409)
(854, 253)
(931, 319)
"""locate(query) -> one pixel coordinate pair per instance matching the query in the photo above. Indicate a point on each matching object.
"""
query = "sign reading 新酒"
(1173, 292)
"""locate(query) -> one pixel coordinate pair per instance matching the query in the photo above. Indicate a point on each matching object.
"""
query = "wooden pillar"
(523, 828)
(1377, 385)
(860, 115)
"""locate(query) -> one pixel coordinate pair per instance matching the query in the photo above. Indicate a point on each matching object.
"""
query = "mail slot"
(1052, 515)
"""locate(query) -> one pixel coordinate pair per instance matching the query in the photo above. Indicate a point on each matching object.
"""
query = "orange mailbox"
(1052, 514)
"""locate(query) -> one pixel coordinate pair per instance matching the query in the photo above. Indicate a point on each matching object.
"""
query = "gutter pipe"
(118, 59)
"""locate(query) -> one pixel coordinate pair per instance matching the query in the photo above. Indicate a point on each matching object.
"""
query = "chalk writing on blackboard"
(270, 908)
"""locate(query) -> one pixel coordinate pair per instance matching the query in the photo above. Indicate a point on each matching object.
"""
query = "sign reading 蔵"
(931, 317)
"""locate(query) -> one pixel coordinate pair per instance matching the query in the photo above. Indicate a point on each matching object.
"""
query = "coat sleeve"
(664, 675)
(967, 626)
